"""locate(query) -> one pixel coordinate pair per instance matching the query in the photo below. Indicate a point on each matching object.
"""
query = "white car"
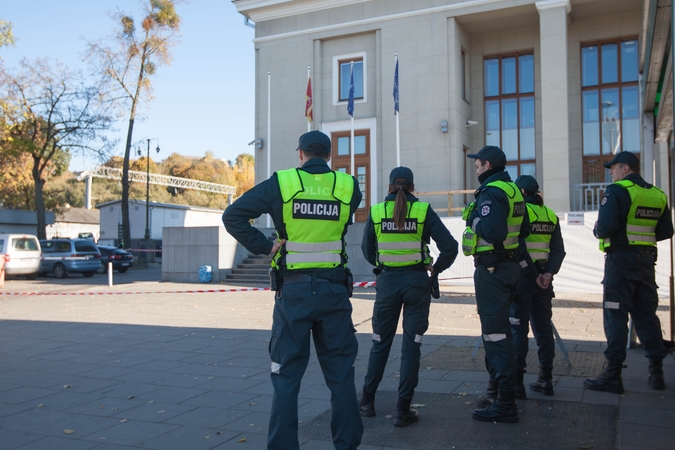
(22, 254)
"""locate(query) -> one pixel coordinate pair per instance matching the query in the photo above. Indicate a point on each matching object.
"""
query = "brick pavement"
(191, 371)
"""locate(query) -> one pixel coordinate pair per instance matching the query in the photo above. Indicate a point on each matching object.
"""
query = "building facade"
(14, 221)
(556, 83)
(160, 216)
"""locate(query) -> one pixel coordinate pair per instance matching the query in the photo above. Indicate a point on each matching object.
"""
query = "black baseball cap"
(490, 153)
(527, 182)
(401, 172)
(623, 157)
(314, 141)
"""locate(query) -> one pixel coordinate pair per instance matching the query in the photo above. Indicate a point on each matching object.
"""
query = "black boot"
(367, 404)
(520, 388)
(405, 415)
(544, 383)
(609, 380)
(490, 395)
(655, 378)
(503, 409)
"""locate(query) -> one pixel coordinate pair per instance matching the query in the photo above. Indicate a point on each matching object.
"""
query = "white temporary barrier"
(583, 268)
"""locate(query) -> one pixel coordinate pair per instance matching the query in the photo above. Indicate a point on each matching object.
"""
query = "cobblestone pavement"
(153, 367)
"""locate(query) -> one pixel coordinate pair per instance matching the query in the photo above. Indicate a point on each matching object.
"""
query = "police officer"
(395, 240)
(633, 216)
(311, 208)
(532, 304)
(496, 222)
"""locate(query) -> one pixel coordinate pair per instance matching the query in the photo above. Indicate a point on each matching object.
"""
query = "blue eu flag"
(396, 88)
(350, 103)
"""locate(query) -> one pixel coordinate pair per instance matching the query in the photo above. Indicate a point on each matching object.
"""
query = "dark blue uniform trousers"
(494, 294)
(324, 310)
(629, 286)
(396, 290)
(532, 304)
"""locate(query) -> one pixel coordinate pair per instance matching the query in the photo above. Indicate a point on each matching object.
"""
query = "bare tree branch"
(48, 112)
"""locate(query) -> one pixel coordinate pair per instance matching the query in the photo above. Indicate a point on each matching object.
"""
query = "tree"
(48, 111)
(16, 183)
(126, 62)
(244, 172)
(6, 36)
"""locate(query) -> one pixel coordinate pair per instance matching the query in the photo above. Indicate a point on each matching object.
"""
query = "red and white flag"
(309, 110)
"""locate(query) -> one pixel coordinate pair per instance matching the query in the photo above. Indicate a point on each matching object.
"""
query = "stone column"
(555, 179)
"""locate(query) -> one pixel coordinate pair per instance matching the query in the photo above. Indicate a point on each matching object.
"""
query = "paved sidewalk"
(163, 370)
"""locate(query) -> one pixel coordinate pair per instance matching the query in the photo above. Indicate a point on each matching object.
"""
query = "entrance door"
(341, 161)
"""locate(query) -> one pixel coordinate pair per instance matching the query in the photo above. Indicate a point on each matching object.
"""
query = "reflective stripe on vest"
(315, 212)
(400, 248)
(542, 223)
(646, 207)
(514, 220)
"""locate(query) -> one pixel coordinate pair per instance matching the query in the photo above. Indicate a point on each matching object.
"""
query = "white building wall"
(160, 218)
(111, 216)
(429, 37)
(72, 230)
(203, 219)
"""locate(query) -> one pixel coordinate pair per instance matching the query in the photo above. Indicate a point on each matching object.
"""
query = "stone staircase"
(253, 270)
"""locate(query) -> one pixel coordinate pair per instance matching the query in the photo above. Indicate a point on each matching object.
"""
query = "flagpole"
(396, 113)
(269, 132)
(309, 124)
(351, 147)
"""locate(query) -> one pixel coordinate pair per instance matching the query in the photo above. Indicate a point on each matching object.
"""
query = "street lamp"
(147, 187)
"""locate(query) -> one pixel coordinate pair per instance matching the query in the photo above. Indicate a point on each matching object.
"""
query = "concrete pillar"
(555, 180)
(649, 157)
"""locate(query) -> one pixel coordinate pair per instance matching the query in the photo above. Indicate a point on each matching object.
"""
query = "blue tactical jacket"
(433, 228)
(613, 214)
(492, 208)
(557, 251)
(265, 197)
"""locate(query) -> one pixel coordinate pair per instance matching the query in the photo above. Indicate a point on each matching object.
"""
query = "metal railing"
(450, 209)
(162, 180)
(587, 196)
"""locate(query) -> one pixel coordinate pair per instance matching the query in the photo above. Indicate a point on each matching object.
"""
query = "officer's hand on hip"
(277, 245)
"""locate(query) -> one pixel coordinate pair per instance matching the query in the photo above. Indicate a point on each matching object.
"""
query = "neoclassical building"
(558, 84)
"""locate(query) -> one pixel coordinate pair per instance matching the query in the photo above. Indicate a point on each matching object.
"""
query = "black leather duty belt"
(302, 278)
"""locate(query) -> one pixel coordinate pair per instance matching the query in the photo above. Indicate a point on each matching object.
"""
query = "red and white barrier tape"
(194, 291)
(365, 284)
(362, 284)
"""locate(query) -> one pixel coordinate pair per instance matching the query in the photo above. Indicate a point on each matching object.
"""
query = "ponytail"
(538, 200)
(400, 209)
(401, 187)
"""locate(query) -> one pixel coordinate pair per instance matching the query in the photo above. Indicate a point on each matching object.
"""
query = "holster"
(491, 259)
(275, 280)
(435, 288)
(349, 281)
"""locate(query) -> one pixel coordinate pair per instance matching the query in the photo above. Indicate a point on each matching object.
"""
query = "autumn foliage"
(17, 189)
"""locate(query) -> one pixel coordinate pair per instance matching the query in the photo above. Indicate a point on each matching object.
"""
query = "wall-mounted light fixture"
(258, 143)
(470, 123)
(444, 126)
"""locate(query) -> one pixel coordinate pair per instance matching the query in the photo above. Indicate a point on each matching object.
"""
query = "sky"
(203, 101)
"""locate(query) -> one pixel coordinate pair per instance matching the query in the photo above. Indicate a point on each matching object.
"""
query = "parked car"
(63, 256)
(121, 260)
(22, 254)
(85, 235)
